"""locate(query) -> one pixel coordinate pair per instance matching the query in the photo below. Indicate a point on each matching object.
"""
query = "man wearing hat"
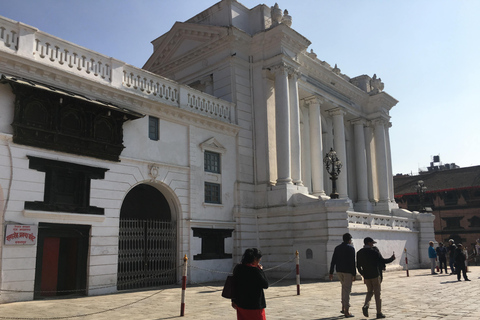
(369, 261)
(344, 260)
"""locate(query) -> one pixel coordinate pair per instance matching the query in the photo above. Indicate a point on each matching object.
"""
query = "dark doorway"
(61, 267)
(147, 244)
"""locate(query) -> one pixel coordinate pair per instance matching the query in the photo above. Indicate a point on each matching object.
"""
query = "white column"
(371, 163)
(339, 146)
(360, 160)
(296, 146)
(391, 194)
(316, 148)
(282, 125)
(381, 160)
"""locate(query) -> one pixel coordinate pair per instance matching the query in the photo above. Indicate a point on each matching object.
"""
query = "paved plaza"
(419, 296)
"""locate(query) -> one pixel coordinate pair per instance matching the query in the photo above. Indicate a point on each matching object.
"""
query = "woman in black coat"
(249, 282)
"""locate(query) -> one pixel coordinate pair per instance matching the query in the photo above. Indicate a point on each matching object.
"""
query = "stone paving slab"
(420, 296)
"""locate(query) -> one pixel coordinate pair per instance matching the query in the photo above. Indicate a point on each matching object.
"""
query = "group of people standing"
(456, 255)
(369, 263)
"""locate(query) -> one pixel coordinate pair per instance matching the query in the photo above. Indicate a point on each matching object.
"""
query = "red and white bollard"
(406, 262)
(297, 258)
(184, 286)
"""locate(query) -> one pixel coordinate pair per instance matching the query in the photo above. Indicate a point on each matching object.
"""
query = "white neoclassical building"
(110, 174)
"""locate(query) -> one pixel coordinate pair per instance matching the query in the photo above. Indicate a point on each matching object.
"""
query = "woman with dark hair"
(249, 282)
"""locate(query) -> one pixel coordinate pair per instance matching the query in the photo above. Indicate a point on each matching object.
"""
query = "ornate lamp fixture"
(333, 166)
(421, 190)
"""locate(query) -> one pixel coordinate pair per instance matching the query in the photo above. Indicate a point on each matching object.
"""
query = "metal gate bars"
(146, 254)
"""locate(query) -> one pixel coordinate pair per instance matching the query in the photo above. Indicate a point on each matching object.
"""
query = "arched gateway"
(147, 240)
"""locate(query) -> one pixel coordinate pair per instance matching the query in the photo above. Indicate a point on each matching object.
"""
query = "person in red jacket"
(369, 262)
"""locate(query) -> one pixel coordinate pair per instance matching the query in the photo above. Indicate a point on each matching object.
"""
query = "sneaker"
(467, 280)
(349, 315)
(365, 311)
(380, 316)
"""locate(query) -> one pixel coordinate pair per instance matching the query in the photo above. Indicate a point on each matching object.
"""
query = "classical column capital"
(283, 68)
(336, 112)
(280, 68)
(312, 100)
(380, 122)
(359, 121)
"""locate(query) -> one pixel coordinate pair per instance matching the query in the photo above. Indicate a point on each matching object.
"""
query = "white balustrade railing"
(8, 35)
(28, 42)
(371, 220)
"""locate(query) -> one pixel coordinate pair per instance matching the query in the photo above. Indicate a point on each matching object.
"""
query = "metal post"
(406, 262)
(184, 286)
(297, 258)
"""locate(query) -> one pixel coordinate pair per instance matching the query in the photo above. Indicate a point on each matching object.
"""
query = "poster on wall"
(21, 234)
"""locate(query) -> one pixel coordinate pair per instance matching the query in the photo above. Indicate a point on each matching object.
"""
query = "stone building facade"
(216, 145)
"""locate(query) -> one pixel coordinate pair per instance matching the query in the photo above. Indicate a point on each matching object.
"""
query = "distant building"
(453, 195)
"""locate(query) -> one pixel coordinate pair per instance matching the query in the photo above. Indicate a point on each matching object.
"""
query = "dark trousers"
(442, 261)
(452, 264)
(461, 269)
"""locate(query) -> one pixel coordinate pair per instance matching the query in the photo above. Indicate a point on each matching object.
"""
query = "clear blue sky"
(427, 52)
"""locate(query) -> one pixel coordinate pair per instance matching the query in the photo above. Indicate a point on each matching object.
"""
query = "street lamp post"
(421, 190)
(333, 166)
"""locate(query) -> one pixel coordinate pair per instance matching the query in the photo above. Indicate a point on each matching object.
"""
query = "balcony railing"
(30, 43)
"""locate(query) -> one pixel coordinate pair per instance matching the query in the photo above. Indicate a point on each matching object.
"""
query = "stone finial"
(376, 85)
(276, 14)
(287, 19)
(336, 70)
(312, 54)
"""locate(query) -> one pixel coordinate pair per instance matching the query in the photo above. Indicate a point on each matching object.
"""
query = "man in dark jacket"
(460, 267)
(343, 260)
(369, 263)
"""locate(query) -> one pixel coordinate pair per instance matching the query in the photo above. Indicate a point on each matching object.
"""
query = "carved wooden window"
(49, 118)
(453, 223)
(213, 243)
(67, 186)
(450, 198)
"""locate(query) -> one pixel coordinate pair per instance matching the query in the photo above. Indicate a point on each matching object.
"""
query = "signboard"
(21, 234)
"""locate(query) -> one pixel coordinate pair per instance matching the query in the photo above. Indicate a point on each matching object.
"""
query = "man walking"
(368, 265)
(343, 260)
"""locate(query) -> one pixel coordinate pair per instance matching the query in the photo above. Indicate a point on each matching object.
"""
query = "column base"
(384, 207)
(363, 206)
(280, 195)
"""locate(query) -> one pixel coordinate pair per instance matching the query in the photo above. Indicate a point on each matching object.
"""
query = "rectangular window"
(212, 162)
(153, 128)
(212, 193)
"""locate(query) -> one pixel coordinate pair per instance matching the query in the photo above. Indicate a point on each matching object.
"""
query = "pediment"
(182, 39)
(212, 145)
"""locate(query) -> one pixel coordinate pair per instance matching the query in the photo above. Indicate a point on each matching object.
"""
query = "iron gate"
(146, 253)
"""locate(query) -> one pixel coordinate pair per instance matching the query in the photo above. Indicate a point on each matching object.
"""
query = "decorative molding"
(212, 145)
